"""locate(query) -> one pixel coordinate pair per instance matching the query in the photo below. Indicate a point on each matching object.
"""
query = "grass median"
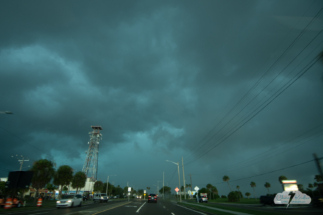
(224, 207)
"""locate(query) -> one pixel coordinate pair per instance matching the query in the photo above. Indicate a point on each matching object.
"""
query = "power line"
(23, 140)
(300, 74)
(263, 159)
(271, 171)
(262, 91)
(258, 79)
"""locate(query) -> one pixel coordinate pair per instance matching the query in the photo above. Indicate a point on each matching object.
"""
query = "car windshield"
(67, 197)
(103, 194)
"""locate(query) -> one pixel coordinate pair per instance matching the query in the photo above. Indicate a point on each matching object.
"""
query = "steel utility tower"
(90, 167)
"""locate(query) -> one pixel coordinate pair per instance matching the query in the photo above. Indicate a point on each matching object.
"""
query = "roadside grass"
(242, 201)
(222, 200)
(234, 209)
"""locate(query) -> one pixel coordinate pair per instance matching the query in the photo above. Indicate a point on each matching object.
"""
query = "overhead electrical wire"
(263, 89)
(263, 159)
(261, 76)
(270, 171)
(23, 140)
(300, 74)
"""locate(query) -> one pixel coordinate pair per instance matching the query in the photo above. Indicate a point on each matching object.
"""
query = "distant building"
(89, 184)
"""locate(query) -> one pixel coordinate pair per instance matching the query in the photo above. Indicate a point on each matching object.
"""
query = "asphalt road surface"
(133, 207)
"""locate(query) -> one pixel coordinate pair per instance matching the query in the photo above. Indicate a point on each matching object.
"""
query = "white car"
(69, 201)
(100, 197)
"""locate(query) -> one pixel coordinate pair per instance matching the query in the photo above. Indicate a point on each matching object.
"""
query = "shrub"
(223, 197)
(216, 196)
(234, 196)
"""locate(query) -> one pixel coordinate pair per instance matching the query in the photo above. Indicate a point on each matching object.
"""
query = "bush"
(216, 196)
(234, 196)
(223, 197)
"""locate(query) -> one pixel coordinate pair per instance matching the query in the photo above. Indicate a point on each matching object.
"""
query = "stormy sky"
(233, 87)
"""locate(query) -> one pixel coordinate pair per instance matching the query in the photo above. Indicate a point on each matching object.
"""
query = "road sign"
(189, 192)
(144, 191)
(129, 189)
(176, 189)
(196, 188)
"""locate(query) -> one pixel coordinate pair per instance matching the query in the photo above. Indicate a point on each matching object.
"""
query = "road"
(133, 207)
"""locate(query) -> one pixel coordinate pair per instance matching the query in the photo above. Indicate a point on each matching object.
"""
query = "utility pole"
(318, 165)
(107, 186)
(183, 178)
(21, 161)
(191, 185)
(163, 187)
(179, 181)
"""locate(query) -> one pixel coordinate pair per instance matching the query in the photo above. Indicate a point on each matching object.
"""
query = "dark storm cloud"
(157, 76)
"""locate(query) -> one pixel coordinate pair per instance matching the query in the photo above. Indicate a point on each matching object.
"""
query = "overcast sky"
(233, 87)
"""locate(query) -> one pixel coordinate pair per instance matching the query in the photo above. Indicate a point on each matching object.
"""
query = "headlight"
(58, 202)
(102, 197)
(69, 201)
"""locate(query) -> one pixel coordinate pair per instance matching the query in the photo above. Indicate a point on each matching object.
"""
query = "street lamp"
(179, 179)
(108, 183)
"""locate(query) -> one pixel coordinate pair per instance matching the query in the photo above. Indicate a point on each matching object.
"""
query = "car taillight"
(149, 196)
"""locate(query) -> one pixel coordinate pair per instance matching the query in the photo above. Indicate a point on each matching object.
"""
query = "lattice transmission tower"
(90, 167)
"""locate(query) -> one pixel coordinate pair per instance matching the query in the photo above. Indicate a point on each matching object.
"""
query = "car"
(85, 198)
(69, 201)
(152, 198)
(203, 199)
(100, 197)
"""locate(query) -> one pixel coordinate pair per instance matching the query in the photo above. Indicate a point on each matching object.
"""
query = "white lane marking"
(164, 206)
(129, 206)
(191, 209)
(140, 207)
(173, 214)
(40, 213)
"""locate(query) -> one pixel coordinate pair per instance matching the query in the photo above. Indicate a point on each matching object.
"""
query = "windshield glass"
(103, 194)
(67, 197)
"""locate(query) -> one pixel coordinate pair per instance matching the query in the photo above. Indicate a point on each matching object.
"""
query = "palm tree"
(267, 185)
(209, 187)
(300, 187)
(280, 179)
(247, 194)
(238, 187)
(226, 178)
(315, 185)
(98, 185)
(310, 186)
(63, 177)
(79, 180)
(318, 178)
(43, 172)
(214, 191)
(253, 185)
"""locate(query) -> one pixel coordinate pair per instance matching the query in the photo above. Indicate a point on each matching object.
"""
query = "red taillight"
(149, 196)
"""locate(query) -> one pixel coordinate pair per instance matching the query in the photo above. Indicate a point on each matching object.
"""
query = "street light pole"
(179, 178)
(183, 178)
(108, 184)
(163, 187)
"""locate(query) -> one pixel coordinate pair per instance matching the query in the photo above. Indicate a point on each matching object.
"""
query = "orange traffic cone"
(8, 203)
(39, 203)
